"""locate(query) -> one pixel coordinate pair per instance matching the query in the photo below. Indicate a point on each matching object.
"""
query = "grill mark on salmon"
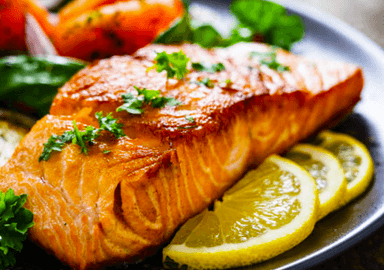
(99, 209)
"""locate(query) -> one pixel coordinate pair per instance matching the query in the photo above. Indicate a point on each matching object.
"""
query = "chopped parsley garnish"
(211, 68)
(15, 220)
(175, 64)
(133, 104)
(206, 82)
(187, 127)
(190, 119)
(228, 82)
(82, 138)
(110, 124)
(269, 59)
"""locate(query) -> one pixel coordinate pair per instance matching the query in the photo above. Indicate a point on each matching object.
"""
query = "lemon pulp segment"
(269, 211)
(325, 168)
(354, 158)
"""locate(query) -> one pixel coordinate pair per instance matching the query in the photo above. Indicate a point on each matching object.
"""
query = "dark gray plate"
(326, 38)
(329, 38)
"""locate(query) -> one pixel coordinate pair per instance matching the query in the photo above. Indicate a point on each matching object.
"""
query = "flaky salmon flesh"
(101, 209)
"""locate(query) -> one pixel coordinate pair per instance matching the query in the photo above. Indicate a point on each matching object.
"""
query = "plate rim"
(376, 221)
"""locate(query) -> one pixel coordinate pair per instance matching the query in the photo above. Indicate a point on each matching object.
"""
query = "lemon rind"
(358, 186)
(266, 246)
(334, 194)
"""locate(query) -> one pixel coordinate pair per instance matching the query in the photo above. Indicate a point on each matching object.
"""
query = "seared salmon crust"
(100, 209)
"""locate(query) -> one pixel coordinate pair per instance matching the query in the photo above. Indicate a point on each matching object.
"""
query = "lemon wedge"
(354, 158)
(326, 169)
(269, 211)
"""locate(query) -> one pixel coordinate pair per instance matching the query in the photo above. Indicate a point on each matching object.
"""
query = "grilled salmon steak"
(127, 196)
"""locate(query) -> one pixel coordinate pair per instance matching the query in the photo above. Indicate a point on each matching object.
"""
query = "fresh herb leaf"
(153, 98)
(187, 127)
(165, 101)
(147, 94)
(106, 151)
(110, 124)
(258, 20)
(175, 64)
(239, 34)
(269, 59)
(190, 119)
(82, 138)
(131, 104)
(269, 20)
(55, 143)
(206, 82)
(228, 81)
(211, 68)
(79, 139)
(15, 220)
(179, 32)
(134, 104)
(207, 36)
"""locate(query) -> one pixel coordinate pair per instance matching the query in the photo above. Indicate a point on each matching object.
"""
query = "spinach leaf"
(269, 20)
(257, 20)
(29, 84)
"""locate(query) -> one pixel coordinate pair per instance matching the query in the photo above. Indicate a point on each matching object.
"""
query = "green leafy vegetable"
(190, 119)
(55, 143)
(207, 36)
(133, 104)
(228, 82)
(258, 20)
(179, 32)
(206, 81)
(15, 220)
(269, 59)
(82, 138)
(211, 68)
(270, 20)
(175, 64)
(110, 124)
(29, 84)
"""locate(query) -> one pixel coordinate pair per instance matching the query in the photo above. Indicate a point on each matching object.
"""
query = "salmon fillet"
(100, 209)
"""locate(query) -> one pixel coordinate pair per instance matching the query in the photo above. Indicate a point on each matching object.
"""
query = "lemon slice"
(326, 169)
(354, 158)
(270, 210)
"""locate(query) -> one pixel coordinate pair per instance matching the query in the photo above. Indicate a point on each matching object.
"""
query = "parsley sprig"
(133, 104)
(15, 220)
(269, 59)
(210, 68)
(205, 81)
(82, 138)
(175, 64)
